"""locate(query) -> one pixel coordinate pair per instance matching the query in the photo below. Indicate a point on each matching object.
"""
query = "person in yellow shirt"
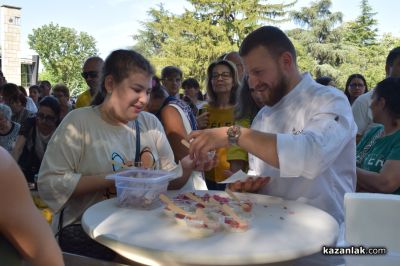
(222, 86)
(91, 73)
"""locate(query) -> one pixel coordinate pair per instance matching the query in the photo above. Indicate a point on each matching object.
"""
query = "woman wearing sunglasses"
(34, 136)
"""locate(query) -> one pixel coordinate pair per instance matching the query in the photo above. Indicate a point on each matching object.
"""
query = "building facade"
(18, 70)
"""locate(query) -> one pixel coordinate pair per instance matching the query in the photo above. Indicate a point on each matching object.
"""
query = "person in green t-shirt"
(378, 153)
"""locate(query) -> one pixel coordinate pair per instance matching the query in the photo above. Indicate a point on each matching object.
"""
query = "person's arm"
(328, 128)
(19, 147)
(211, 139)
(59, 178)
(175, 131)
(90, 184)
(21, 222)
(386, 181)
(167, 161)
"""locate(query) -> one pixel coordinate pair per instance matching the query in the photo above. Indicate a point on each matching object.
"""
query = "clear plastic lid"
(143, 176)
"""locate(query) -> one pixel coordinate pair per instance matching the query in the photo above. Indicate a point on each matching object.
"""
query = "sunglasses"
(89, 74)
(46, 118)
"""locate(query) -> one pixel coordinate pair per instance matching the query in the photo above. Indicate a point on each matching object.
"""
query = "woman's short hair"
(120, 64)
(34, 87)
(51, 102)
(61, 88)
(190, 83)
(11, 94)
(171, 70)
(212, 96)
(323, 80)
(389, 89)
(6, 111)
(270, 37)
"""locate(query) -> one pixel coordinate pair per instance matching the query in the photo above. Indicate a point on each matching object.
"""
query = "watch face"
(233, 134)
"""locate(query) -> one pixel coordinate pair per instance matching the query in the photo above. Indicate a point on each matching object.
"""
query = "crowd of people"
(260, 114)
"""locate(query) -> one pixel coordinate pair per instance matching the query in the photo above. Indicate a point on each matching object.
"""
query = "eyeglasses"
(89, 74)
(354, 85)
(46, 118)
(224, 75)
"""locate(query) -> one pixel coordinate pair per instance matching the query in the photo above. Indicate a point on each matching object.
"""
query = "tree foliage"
(327, 47)
(200, 35)
(62, 51)
(321, 37)
(363, 31)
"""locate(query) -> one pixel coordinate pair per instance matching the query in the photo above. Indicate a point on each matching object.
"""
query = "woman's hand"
(250, 185)
(202, 120)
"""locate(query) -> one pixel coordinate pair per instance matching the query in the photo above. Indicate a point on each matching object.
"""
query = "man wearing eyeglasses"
(91, 73)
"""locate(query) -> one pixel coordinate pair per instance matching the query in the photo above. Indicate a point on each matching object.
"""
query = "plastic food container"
(140, 188)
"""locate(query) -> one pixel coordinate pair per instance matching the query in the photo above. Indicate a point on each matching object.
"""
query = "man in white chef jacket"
(302, 143)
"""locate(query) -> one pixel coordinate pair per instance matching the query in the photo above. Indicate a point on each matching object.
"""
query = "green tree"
(369, 59)
(149, 40)
(321, 38)
(363, 31)
(62, 51)
(198, 36)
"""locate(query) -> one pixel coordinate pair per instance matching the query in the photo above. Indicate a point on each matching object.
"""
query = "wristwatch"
(233, 133)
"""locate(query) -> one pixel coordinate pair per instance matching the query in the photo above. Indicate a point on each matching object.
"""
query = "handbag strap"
(368, 146)
(137, 154)
(60, 222)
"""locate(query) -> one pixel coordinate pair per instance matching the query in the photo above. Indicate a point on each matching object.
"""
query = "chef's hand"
(251, 184)
(204, 141)
(198, 165)
(207, 165)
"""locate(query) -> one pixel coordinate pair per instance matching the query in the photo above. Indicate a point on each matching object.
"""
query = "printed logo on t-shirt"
(118, 163)
(219, 124)
(147, 161)
(375, 161)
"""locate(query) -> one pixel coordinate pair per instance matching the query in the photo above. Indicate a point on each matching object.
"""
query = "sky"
(113, 22)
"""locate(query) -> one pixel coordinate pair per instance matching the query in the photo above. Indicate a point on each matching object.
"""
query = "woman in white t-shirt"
(95, 141)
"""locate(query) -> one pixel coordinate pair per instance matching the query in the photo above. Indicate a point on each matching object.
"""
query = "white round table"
(280, 231)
